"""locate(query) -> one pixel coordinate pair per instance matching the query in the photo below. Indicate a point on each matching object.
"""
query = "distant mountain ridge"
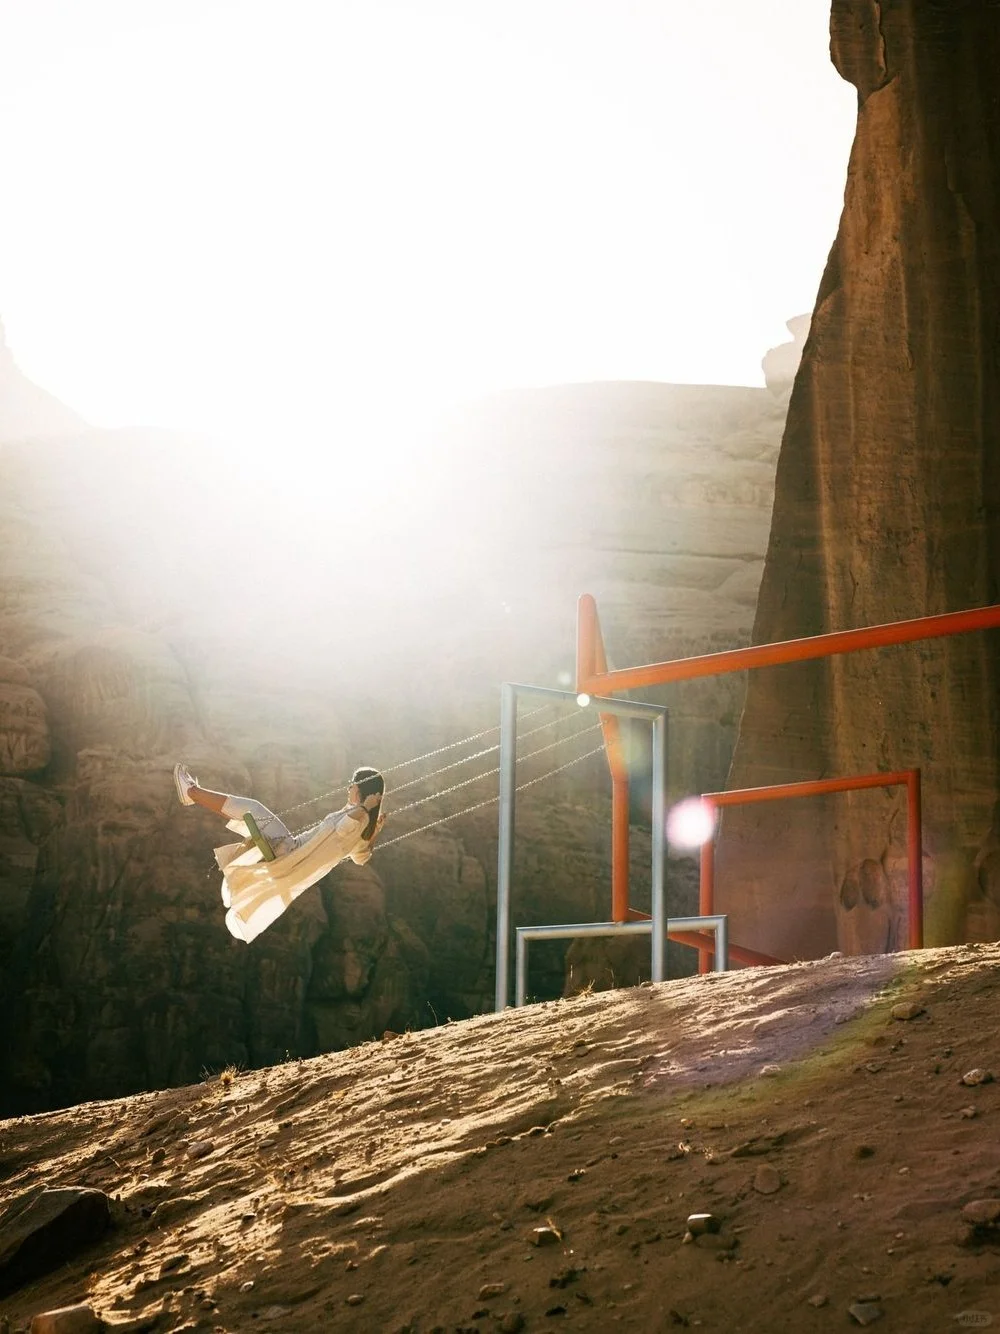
(28, 412)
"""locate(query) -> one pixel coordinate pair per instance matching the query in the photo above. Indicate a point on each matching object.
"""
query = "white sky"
(270, 213)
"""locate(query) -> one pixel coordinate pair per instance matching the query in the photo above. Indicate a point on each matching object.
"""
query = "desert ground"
(836, 1120)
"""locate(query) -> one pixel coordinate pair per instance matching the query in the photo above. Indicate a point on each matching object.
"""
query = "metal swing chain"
(428, 755)
(489, 773)
(490, 801)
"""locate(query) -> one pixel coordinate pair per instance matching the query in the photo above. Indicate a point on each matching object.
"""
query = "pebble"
(699, 1224)
(200, 1148)
(158, 1155)
(489, 1290)
(545, 1236)
(173, 1262)
(984, 1213)
(767, 1179)
(78, 1319)
(907, 1010)
(247, 1286)
(865, 1313)
(968, 1113)
(818, 1299)
(512, 1323)
(977, 1076)
(355, 1299)
(769, 1071)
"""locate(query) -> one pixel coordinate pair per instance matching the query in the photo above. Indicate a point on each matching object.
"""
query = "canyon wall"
(151, 609)
(886, 507)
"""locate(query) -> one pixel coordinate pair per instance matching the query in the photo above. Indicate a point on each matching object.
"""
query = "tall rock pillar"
(886, 507)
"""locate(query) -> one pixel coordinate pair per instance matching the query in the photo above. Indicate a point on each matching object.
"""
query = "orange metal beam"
(910, 778)
(597, 682)
(704, 941)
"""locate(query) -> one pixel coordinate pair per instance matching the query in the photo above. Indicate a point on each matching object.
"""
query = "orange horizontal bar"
(792, 650)
(811, 787)
(704, 940)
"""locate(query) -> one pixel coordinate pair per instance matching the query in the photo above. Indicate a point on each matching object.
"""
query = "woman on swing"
(256, 891)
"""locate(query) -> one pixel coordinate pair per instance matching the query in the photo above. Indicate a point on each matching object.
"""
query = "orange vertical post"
(590, 661)
(706, 895)
(915, 859)
(586, 639)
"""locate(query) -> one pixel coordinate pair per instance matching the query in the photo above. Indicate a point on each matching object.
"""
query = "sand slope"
(383, 1187)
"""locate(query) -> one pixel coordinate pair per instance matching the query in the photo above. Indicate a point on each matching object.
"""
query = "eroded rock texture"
(886, 507)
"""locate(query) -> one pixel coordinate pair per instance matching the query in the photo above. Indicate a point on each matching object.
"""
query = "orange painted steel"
(698, 940)
(596, 682)
(589, 634)
(910, 778)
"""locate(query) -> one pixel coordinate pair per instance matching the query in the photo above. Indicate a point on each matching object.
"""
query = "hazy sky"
(248, 213)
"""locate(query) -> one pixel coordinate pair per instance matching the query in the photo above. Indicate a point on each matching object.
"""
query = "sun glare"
(691, 823)
(268, 221)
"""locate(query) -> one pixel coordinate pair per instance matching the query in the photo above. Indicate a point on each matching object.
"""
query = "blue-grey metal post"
(505, 841)
(659, 815)
(722, 945)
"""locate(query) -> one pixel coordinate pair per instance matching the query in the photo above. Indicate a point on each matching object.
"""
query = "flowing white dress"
(257, 892)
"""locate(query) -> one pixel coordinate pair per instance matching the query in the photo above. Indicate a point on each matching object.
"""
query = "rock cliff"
(136, 627)
(887, 506)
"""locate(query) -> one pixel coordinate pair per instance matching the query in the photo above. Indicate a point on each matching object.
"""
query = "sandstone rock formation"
(781, 364)
(887, 506)
(137, 628)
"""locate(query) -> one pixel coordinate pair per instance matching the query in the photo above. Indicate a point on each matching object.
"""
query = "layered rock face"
(886, 507)
(136, 628)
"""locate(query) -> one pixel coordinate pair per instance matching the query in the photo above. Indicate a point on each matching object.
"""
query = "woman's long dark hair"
(370, 784)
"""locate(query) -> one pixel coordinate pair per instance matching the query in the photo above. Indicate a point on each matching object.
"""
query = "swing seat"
(266, 851)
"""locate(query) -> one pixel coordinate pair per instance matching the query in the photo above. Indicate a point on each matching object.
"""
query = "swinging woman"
(257, 891)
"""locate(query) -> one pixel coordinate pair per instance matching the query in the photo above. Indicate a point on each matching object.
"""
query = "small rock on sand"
(906, 1010)
(66, 1320)
(767, 1179)
(545, 1236)
(984, 1213)
(865, 1313)
(977, 1076)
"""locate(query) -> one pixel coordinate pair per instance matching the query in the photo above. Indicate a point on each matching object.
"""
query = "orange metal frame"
(594, 678)
(812, 788)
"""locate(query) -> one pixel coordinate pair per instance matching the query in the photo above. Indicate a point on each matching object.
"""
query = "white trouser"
(274, 830)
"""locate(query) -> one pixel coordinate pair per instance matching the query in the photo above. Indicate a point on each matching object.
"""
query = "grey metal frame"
(651, 713)
(717, 922)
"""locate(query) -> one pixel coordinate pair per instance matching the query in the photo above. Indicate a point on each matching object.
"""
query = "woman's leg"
(234, 808)
(212, 801)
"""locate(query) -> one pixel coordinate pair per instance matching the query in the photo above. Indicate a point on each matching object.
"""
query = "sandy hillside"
(536, 1170)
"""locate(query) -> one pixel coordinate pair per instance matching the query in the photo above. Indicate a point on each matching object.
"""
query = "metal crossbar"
(716, 922)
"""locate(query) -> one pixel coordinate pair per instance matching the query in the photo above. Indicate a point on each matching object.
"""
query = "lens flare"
(691, 823)
(583, 700)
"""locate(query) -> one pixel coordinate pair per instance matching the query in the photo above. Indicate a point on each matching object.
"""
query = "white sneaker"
(183, 781)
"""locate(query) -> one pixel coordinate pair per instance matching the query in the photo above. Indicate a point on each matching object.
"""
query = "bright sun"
(266, 219)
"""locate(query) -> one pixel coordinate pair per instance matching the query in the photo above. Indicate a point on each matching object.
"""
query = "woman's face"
(353, 795)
